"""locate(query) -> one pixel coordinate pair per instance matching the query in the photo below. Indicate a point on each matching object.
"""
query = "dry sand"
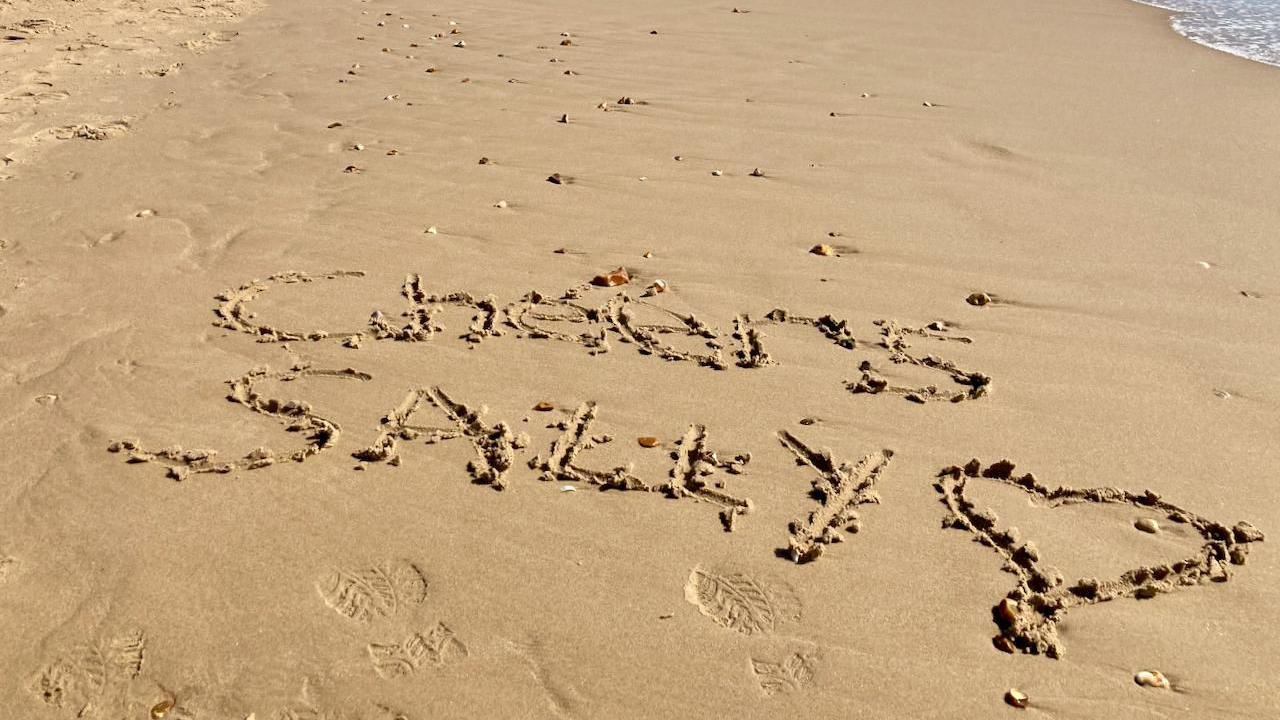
(267, 230)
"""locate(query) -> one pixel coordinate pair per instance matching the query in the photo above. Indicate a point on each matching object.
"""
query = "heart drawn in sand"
(1028, 616)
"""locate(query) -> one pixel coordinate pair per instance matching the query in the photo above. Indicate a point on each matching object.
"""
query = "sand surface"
(319, 238)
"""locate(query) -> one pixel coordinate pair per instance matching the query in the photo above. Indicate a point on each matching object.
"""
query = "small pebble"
(544, 406)
(978, 299)
(555, 179)
(1147, 525)
(1017, 698)
(823, 250)
(648, 442)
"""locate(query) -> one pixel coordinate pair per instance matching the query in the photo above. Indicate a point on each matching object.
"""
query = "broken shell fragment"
(823, 250)
(658, 286)
(756, 173)
(564, 119)
(160, 709)
(460, 44)
(556, 179)
(613, 278)
(1017, 698)
(432, 230)
(500, 204)
(978, 299)
(624, 100)
(1152, 679)
(1147, 525)
(648, 442)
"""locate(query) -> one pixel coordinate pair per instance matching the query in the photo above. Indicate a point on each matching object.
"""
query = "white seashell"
(1152, 679)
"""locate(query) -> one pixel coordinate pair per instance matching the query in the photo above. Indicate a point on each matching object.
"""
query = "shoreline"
(1219, 45)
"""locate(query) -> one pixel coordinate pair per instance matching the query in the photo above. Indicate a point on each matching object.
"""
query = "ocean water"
(1248, 28)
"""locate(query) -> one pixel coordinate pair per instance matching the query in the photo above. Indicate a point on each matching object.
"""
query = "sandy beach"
(376, 360)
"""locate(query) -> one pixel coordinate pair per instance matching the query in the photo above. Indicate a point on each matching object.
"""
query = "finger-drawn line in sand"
(535, 316)
(234, 315)
(751, 352)
(839, 490)
(560, 464)
(433, 648)
(86, 131)
(794, 673)
(834, 329)
(88, 674)
(695, 463)
(423, 307)
(535, 310)
(894, 339)
(1028, 616)
(378, 591)
(647, 336)
(741, 602)
(320, 432)
(495, 445)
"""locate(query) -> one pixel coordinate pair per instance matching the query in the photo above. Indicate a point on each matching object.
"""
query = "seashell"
(1147, 525)
(352, 169)
(484, 161)
(393, 152)
(544, 406)
(564, 119)
(1152, 679)
(432, 230)
(566, 42)
(926, 103)
(500, 204)
(613, 278)
(160, 709)
(460, 44)
(603, 106)
(823, 250)
(658, 286)
(624, 100)
(555, 179)
(1017, 698)
(756, 173)
(647, 254)
(978, 299)
(717, 173)
(430, 70)
(333, 125)
(648, 442)
(678, 158)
